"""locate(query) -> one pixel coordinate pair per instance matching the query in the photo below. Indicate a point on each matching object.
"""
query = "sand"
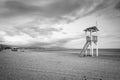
(58, 65)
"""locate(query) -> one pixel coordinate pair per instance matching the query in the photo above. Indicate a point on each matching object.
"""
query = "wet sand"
(59, 65)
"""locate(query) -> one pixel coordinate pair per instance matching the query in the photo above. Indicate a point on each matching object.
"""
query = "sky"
(59, 23)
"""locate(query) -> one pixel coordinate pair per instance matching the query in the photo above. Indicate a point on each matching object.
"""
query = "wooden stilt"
(96, 49)
(86, 52)
(96, 44)
(86, 49)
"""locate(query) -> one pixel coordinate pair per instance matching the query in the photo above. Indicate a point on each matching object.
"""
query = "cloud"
(28, 34)
(35, 31)
(45, 15)
(54, 43)
(57, 9)
(17, 8)
(118, 6)
(115, 36)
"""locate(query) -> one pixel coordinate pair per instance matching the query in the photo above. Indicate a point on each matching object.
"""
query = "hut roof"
(93, 29)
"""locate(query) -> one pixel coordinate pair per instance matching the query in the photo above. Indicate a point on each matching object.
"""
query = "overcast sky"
(60, 23)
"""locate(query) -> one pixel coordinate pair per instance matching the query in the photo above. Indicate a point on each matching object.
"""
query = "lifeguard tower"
(91, 37)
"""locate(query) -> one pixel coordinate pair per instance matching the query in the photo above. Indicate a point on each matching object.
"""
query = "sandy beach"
(58, 65)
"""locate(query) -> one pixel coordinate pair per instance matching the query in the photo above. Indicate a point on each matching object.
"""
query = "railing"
(94, 38)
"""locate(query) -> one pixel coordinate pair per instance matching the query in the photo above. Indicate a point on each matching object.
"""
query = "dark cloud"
(18, 8)
(57, 9)
(117, 6)
(63, 7)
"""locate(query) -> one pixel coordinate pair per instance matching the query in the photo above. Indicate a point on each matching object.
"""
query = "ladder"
(84, 48)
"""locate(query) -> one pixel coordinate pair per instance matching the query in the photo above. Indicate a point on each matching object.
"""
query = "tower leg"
(86, 52)
(91, 46)
(96, 49)
(91, 49)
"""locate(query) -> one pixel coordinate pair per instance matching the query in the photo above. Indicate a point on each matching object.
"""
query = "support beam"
(86, 37)
(96, 44)
(91, 39)
(96, 49)
(92, 49)
(86, 52)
